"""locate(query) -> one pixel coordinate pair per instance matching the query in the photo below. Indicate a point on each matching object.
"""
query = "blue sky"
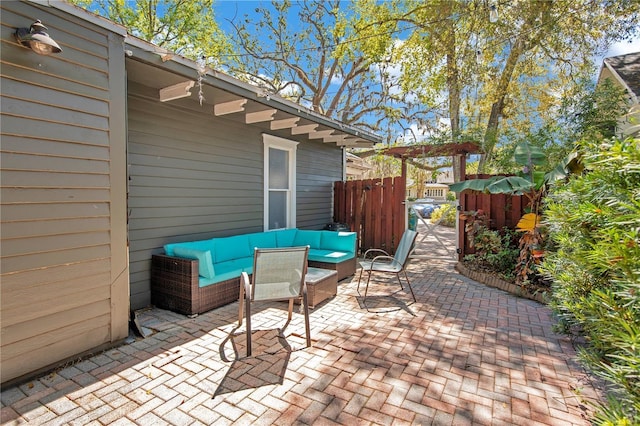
(624, 47)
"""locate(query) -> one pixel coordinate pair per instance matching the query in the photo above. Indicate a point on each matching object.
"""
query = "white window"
(279, 182)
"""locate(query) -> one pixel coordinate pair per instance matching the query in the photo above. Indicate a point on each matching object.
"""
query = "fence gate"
(374, 208)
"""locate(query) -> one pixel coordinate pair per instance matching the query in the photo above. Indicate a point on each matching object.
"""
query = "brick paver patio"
(463, 354)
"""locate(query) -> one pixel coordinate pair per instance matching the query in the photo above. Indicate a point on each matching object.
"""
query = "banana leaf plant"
(531, 182)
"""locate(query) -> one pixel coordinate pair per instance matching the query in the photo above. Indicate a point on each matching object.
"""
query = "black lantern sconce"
(37, 39)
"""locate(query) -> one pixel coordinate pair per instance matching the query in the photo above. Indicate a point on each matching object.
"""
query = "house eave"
(328, 130)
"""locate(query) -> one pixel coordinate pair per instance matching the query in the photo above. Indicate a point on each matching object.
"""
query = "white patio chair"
(278, 274)
(385, 263)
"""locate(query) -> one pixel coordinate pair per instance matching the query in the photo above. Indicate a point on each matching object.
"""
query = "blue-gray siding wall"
(64, 266)
(194, 176)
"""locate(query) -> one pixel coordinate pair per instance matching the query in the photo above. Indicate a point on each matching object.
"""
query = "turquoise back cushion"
(263, 240)
(284, 237)
(339, 241)
(205, 264)
(203, 245)
(229, 248)
(307, 238)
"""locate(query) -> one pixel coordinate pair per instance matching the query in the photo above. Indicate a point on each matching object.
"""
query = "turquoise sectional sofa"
(196, 276)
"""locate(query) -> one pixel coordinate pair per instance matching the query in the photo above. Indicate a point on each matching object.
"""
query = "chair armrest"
(246, 283)
(387, 260)
(373, 250)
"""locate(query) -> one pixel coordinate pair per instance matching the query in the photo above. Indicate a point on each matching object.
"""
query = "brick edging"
(493, 281)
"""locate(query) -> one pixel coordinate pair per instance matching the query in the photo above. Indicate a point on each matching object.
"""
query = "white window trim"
(291, 147)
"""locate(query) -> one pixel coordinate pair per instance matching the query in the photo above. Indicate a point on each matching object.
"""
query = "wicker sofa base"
(345, 269)
(174, 286)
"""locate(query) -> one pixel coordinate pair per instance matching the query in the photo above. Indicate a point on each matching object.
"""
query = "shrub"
(594, 225)
(495, 252)
(447, 212)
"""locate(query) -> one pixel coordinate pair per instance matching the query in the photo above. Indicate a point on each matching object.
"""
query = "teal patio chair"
(278, 275)
(384, 263)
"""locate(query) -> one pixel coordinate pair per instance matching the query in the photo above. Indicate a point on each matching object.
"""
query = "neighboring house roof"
(356, 165)
(626, 69)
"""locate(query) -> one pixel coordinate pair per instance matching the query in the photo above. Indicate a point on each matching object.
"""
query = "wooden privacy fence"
(503, 210)
(374, 208)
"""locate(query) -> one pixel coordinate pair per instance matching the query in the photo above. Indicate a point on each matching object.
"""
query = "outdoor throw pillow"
(205, 265)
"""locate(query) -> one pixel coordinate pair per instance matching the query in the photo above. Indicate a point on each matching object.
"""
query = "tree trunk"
(528, 37)
(453, 85)
(490, 134)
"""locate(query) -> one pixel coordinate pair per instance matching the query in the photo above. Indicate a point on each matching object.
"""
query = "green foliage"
(487, 241)
(187, 27)
(496, 76)
(532, 183)
(495, 251)
(594, 114)
(527, 156)
(448, 214)
(594, 223)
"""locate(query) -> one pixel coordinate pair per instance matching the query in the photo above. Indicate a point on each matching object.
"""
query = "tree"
(485, 73)
(312, 52)
(186, 27)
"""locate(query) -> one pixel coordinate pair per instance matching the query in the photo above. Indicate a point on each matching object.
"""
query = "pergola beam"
(416, 151)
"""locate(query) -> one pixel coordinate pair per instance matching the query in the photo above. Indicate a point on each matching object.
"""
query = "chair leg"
(305, 304)
(409, 284)
(241, 304)
(398, 276)
(366, 289)
(290, 310)
(248, 303)
(359, 278)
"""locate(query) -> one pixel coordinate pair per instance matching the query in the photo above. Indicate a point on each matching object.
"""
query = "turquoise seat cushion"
(285, 237)
(329, 256)
(205, 263)
(307, 238)
(203, 282)
(222, 259)
(339, 241)
(262, 240)
(196, 245)
(229, 248)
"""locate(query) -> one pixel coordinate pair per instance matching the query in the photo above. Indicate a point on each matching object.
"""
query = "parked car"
(425, 207)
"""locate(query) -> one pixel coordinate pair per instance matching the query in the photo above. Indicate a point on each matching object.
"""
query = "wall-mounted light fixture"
(37, 39)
